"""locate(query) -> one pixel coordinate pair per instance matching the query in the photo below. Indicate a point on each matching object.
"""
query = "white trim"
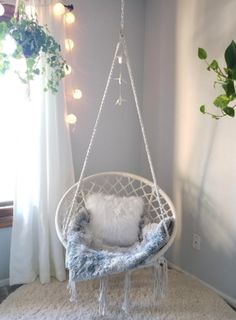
(4, 282)
(227, 298)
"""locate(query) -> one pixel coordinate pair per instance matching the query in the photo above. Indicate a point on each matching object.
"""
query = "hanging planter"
(225, 78)
(30, 41)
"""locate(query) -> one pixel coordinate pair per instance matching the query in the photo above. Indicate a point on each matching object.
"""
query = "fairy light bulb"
(69, 44)
(58, 9)
(67, 69)
(69, 18)
(77, 94)
(2, 10)
(71, 118)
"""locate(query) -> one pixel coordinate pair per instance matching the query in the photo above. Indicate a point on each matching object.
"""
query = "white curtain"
(44, 172)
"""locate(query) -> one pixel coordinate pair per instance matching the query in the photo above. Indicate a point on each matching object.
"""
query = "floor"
(187, 299)
(6, 290)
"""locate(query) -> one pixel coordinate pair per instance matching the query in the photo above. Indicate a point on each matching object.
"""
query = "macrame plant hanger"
(121, 48)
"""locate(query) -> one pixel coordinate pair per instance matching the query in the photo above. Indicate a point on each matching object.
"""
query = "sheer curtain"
(44, 172)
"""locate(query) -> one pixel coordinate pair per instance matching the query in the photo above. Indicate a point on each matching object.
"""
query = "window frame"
(6, 208)
(9, 12)
(6, 214)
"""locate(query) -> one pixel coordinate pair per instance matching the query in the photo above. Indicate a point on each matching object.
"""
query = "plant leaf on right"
(225, 78)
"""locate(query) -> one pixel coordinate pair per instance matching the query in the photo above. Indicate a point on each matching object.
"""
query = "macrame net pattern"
(156, 207)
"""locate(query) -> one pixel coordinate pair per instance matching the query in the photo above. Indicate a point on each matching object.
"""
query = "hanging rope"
(122, 18)
(121, 44)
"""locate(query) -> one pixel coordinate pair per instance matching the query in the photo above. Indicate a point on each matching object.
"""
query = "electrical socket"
(196, 242)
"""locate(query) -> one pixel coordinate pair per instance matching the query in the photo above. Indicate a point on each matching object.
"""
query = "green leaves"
(4, 63)
(222, 101)
(230, 55)
(213, 66)
(225, 78)
(3, 30)
(203, 109)
(202, 54)
(229, 111)
(228, 86)
(34, 42)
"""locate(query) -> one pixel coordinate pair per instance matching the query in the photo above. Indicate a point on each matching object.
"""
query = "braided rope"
(122, 43)
(122, 17)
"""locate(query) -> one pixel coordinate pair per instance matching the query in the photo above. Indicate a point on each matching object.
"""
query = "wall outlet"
(196, 241)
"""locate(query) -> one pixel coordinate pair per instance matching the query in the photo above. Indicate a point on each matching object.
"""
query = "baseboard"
(227, 298)
(4, 282)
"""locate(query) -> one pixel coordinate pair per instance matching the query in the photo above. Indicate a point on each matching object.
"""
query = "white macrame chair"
(158, 206)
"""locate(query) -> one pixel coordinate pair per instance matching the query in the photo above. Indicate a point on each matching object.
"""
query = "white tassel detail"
(126, 302)
(103, 296)
(156, 281)
(164, 286)
(73, 292)
(160, 278)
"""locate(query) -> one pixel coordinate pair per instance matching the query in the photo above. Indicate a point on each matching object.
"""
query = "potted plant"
(225, 78)
(36, 45)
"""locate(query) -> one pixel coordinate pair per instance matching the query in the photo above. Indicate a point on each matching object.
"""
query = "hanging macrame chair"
(83, 261)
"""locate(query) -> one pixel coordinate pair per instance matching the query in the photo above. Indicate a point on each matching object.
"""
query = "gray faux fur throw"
(85, 261)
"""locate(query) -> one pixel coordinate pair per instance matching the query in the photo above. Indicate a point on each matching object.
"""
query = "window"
(7, 163)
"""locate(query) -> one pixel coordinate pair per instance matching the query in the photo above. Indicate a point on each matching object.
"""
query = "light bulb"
(69, 18)
(2, 10)
(67, 69)
(77, 94)
(69, 44)
(71, 118)
(58, 9)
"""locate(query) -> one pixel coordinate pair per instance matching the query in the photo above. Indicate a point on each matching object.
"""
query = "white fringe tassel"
(126, 302)
(73, 291)
(160, 287)
(103, 296)
(160, 278)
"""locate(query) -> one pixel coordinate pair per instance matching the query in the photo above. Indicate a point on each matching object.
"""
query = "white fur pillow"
(114, 219)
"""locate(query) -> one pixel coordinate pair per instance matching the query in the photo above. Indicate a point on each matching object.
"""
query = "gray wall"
(204, 158)
(159, 88)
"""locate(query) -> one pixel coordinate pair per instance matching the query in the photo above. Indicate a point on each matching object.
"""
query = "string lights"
(69, 44)
(68, 69)
(77, 94)
(71, 118)
(69, 18)
(60, 9)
